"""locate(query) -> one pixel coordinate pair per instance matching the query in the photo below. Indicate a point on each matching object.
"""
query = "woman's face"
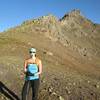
(32, 54)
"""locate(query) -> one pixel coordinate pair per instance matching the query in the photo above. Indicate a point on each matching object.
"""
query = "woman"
(32, 70)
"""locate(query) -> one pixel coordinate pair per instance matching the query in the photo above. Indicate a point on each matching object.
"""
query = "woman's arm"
(24, 70)
(25, 65)
(40, 67)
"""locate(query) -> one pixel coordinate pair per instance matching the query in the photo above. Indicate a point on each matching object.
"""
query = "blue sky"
(14, 12)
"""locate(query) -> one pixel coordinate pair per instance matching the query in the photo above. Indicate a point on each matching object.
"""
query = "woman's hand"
(25, 70)
(36, 74)
(22, 75)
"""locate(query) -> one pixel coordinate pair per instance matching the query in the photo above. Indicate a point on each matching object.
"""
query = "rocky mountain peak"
(42, 20)
(73, 13)
(50, 16)
(48, 19)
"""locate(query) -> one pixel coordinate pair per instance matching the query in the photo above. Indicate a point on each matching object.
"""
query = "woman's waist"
(32, 77)
(31, 73)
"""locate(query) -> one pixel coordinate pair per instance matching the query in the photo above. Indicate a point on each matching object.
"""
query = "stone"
(74, 83)
(54, 93)
(97, 86)
(61, 98)
(88, 81)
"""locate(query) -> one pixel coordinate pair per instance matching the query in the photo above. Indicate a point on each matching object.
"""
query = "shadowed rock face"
(70, 51)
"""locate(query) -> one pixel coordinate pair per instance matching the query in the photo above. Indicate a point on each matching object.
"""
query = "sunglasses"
(32, 52)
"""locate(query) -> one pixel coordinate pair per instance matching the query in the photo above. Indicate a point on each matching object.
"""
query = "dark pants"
(34, 84)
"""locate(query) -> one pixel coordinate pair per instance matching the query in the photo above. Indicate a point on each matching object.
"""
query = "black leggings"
(34, 84)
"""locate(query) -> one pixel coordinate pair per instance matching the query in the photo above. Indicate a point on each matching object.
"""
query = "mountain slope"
(70, 52)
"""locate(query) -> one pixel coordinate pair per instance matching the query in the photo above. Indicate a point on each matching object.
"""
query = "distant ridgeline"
(73, 30)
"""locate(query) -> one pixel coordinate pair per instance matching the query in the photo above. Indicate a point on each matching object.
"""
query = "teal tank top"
(33, 68)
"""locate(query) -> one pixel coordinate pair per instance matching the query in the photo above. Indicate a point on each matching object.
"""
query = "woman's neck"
(33, 57)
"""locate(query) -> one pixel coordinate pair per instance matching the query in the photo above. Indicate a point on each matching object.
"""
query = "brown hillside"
(70, 52)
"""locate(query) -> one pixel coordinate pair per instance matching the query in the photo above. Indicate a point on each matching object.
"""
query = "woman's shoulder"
(38, 60)
(27, 59)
